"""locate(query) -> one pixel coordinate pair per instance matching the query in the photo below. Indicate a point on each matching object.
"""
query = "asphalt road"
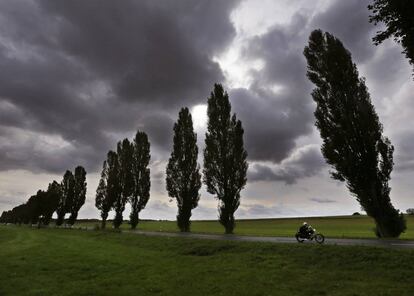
(388, 243)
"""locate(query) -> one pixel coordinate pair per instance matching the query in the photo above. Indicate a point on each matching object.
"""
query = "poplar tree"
(66, 200)
(79, 193)
(50, 201)
(43, 212)
(34, 210)
(225, 164)
(114, 188)
(141, 176)
(183, 179)
(353, 143)
(102, 201)
(125, 152)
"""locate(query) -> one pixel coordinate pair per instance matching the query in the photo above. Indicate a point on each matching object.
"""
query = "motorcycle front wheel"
(319, 238)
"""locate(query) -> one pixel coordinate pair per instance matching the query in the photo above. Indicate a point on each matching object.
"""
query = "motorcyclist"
(306, 230)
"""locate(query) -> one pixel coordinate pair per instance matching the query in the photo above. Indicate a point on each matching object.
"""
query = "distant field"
(339, 227)
(72, 262)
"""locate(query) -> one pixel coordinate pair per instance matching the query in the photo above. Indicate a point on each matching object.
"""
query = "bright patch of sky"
(252, 19)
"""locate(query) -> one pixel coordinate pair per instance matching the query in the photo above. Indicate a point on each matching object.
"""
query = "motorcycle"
(311, 235)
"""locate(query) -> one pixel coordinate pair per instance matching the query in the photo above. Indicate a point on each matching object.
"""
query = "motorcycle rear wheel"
(319, 238)
(299, 239)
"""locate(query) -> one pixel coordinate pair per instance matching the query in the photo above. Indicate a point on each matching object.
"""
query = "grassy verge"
(339, 227)
(72, 262)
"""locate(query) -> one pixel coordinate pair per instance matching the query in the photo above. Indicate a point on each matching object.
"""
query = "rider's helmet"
(305, 223)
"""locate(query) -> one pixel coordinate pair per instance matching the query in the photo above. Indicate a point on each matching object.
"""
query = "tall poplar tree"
(353, 143)
(183, 178)
(34, 210)
(79, 193)
(114, 188)
(141, 176)
(125, 153)
(51, 201)
(225, 164)
(102, 201)
(66, 200)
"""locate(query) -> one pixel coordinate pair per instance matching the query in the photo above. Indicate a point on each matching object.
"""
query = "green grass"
(339, 227)
(73, 262)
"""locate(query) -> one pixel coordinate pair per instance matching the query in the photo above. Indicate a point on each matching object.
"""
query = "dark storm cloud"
(37, 152)
(159, 127)
(277, 108)
(349, 21)
(149, 50)
(83, 72)
(304, 162)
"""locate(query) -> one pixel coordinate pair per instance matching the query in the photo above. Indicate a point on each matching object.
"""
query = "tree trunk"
(134, 219)
(60, 219)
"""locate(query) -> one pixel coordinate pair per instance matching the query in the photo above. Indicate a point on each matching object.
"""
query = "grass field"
(73, 262)
(339, 227)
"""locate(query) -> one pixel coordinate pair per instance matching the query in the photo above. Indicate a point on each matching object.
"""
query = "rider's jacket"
(305, 229)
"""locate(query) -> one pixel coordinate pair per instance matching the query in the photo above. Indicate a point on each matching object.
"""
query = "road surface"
(389, 243)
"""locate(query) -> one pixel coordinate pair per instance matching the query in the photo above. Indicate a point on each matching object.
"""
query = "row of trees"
(125, 174)
(352, 143)
(125, 177)
(63, 198)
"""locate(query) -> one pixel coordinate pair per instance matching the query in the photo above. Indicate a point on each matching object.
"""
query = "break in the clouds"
(77, 76)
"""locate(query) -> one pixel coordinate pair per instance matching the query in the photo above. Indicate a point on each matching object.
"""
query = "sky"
(78, 76)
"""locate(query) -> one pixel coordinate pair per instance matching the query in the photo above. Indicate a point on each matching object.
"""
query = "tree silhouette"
(79, 194)
(124, 179)
(16, 215)
(183, 178)
(33, 209)
(102, 201)
(351, 132)
(141, 176)
(50, 201)
(4, 218)
(398, 17)
(125, 152)
(66, 200)
(225, 164)
(42, 208)
(114, 188)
